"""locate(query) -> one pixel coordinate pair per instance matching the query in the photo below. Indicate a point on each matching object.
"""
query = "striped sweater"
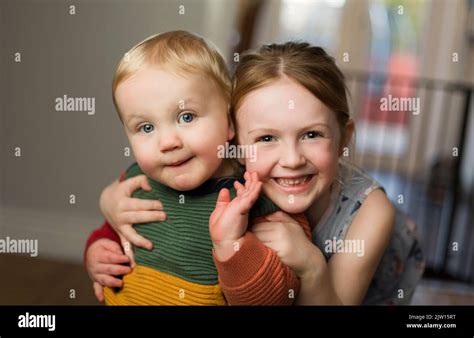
(181, 270)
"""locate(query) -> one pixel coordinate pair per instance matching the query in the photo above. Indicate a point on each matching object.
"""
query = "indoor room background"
(54, 164)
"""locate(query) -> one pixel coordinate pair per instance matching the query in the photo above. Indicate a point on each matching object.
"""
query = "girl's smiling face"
(297, 139)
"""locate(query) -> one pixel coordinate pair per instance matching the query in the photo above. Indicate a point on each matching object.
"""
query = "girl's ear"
(348, 132)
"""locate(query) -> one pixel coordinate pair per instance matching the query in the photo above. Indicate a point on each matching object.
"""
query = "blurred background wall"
(55, 164)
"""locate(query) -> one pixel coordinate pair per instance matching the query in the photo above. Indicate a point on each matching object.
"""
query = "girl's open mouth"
(294, 184)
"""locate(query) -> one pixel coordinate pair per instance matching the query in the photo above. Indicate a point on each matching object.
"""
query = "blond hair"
(308, 65)
(179, 51)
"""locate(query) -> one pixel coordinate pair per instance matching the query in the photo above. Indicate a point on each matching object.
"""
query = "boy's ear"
(348, 132)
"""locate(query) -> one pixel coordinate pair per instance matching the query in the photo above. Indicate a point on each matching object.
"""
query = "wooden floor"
(33, 281)
(436, 292)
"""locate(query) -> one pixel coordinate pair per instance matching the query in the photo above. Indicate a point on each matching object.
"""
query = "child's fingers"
(135, 217)
(223, 198)
(111, 282)
(138, 204)
(239, 188)
(268, 239)
(265, 236)
(111, 246)
(131, 258)
(246, 200)
(128, 250)
(98, 291)
(248, 179)
(131, 235)
(254, 191)
(113, 269)
(115, 258)
(263, 226)
(136, 183)
(255, 176)
(251, 181)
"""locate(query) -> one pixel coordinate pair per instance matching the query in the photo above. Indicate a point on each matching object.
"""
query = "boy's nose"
(169, 141)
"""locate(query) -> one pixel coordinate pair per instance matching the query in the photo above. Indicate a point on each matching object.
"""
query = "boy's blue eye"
(186, 118)
(147, 128)
(266, 138)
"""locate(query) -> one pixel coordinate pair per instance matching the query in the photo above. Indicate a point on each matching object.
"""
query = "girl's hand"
(286, 237)
(122, 211)
(229, 220)
(104, 259)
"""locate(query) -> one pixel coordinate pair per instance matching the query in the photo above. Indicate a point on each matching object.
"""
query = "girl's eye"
(312, 134)
(266, 138)
(186, 118)
(147, 128)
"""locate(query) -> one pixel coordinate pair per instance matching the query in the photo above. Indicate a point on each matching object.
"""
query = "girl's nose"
(292, 158)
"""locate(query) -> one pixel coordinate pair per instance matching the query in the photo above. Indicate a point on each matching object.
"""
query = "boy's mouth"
(293, 184)
(179, 163)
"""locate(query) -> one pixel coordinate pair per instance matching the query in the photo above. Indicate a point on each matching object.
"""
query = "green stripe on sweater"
(182, 245)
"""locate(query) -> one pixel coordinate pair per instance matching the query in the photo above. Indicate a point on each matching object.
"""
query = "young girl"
(290, 101)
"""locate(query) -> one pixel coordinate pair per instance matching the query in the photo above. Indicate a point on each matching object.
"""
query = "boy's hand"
(122, 211)
(104, 259)
(229, 220)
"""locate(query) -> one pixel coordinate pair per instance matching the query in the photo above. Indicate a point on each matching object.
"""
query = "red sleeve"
(105, 231)
(256, 276)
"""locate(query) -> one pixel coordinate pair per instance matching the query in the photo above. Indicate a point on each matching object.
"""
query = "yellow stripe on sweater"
(147, 286)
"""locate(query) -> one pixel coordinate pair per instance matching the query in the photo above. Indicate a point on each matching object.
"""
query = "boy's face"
(175, 124)
(297, 139)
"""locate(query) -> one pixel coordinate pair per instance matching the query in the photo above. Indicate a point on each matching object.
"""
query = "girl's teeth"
(291, 182)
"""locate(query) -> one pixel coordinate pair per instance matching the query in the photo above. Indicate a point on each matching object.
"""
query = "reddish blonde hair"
(308, 65)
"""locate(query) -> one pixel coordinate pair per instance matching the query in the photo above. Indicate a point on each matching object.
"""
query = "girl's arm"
(104, 232)
(346, 278)
(351, 273)
(255, 275)
(249, 272)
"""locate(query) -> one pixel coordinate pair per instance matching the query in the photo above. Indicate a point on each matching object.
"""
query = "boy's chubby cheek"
(146, 167)
(144, 160)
